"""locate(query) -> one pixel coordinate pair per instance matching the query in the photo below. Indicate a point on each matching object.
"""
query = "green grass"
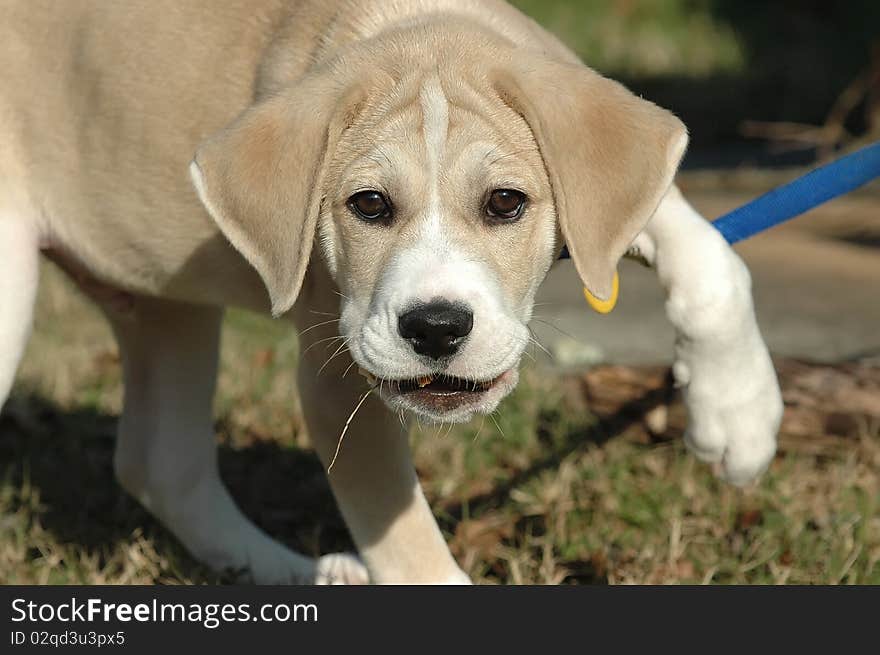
(568, 487)
(644, 37)
(564, 488)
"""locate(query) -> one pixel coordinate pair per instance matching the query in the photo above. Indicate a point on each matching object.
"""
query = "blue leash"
(795, 198)
(803, 194)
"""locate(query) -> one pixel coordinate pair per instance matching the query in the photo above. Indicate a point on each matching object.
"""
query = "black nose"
(437, 329)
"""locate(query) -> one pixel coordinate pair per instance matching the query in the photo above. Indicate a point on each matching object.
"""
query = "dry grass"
(582, 480)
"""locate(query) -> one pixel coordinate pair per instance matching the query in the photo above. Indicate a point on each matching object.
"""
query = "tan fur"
(486, 142)
(281, 110)
(611, 158)
(102, 120)
(263, 178)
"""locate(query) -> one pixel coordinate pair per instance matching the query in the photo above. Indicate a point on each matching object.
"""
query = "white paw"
(264, 561)
(340, 569)
(734, 409)
(458, 578)
(270, 563)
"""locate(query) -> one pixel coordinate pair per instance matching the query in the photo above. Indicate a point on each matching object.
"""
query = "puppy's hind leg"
(19, 275)
(166, 454)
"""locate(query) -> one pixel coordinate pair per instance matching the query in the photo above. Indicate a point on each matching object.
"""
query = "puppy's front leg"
(721, 363)
(373, 477)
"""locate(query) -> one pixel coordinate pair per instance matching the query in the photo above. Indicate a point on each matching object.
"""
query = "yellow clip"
(604, 306)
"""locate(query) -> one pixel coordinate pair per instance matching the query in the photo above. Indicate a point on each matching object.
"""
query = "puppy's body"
(294, 109)
(105, 103)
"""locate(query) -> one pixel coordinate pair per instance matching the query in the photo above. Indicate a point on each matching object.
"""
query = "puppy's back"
(102, 106)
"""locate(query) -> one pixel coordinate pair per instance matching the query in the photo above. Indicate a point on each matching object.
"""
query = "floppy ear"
(610, 155)
(261, 178)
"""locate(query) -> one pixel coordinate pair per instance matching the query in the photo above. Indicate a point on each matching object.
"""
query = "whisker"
(558, 329)
(482, 425)
(534, 343)
(317, 325)
(492, 416)
(319, 342)
(534, 340)
(345, 428)
(315, 311)
(339, 351)
(349, 368)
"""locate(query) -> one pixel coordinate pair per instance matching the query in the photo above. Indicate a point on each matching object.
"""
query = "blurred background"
(766, 89)
(798, 71)
(581, 476)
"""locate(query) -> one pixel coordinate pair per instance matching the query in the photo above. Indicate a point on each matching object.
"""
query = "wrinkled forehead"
(438, 127)
(436, 151)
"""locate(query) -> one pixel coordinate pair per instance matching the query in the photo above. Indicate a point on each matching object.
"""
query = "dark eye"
(506, 204)
(370, 205)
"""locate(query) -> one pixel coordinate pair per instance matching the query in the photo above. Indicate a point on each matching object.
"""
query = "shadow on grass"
(607, 426)
(67, 457)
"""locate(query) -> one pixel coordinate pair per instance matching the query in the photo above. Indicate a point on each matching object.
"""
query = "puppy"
(412, 166)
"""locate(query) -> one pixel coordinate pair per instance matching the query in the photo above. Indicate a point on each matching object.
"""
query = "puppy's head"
(438, 196)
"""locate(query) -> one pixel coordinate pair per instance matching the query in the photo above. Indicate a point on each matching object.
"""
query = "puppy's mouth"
(442, 385)
(441, 396)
